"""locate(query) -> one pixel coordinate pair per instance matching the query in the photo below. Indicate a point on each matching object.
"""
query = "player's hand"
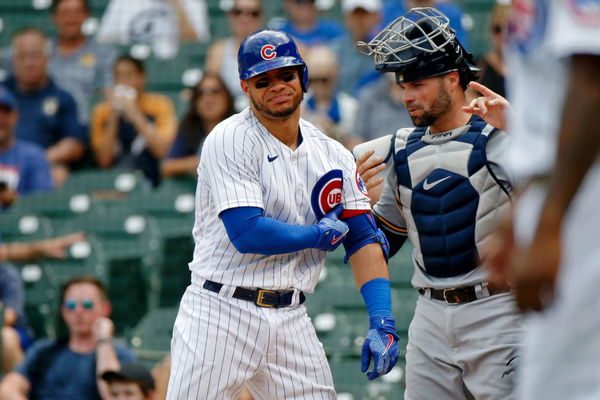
(500, 252)
(536, 267)
(332, 231)
(492, 107)
(368, 167)
(381, 344)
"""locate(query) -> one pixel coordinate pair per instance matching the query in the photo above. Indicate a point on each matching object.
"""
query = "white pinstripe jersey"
(243, 165)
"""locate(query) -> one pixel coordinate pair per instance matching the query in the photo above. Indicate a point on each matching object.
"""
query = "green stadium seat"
(403, 307)
(132, 250)
(58, 206)
(151, 337)
(24, 227)
(401, 267)
(108, 184)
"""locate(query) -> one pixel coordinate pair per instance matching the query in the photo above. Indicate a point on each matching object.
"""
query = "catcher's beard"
(279, 114)
(438, 107)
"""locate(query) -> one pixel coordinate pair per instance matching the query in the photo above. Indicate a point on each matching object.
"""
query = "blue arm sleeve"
(363, 231)
(251, 232)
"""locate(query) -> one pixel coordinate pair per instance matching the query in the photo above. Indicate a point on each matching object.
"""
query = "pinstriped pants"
(221, 344)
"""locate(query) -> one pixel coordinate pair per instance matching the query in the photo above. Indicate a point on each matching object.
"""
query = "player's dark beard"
(438, 107)
(282, 113)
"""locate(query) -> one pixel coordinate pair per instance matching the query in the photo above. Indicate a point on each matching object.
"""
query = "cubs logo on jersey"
(361, 185)
(527, 24)
(268, 52)
(586, 11)
(327, 192)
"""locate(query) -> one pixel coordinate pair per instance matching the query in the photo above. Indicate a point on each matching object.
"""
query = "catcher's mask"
(420, 45)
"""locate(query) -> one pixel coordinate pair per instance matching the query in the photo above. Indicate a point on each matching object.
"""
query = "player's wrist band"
(260, 297)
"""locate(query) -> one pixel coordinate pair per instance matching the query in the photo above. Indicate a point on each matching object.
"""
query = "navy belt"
(459, 295)
(260, 297)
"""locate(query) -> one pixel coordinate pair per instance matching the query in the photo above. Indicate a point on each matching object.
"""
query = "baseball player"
(445, 190)
(554, 61)
(271, 187)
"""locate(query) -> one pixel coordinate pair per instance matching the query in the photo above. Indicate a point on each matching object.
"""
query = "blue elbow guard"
(364, 231)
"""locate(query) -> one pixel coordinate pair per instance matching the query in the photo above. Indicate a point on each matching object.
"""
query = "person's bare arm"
(577, 150)
(158, 144)
(106, 356)
(369, 263)
(212, 65)
(65, 151)
(107, 137)
(179, 166)
(14, 386)
(29, 251)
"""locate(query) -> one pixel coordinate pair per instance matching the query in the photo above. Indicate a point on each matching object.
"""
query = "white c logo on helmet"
(268, 52)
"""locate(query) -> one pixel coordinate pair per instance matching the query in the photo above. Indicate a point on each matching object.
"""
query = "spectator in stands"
(133, 128)
(51, 113)
(305, 26)
(16, 332)
(393, 9)
(380, 110)
(244, 17)
(492, 64)
(78, 64)
(70, 368)
(330, 110)
(210, 104)
(132, 382)
(23, 166)
(159, 23)
(362, 18)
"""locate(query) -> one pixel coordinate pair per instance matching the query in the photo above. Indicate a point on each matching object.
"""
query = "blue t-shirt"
(46, 116)
(393, 9)
(66, 375)
(323, 32)
(24, 167)
(182, 147)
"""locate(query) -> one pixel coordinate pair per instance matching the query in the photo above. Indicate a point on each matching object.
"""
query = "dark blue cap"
(7, 99)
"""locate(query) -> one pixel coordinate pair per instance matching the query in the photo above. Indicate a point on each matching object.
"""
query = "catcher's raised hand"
(492, 107)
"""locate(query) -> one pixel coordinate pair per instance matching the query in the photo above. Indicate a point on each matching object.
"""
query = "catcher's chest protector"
(450, 197)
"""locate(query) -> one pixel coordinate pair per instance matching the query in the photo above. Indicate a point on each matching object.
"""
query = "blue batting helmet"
(268, 49)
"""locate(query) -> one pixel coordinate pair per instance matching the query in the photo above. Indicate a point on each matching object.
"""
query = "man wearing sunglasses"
(69, 368)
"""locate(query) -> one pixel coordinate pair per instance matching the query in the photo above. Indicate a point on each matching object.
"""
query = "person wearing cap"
(52, 121)
(305, 25)
(132, 382)
(361, 18)
(446, 189)
(24, 167)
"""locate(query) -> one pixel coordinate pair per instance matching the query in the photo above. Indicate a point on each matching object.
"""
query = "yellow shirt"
(158, 107)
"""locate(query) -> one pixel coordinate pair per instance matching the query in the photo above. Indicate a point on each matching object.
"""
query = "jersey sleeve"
(230, 167)
(576, 28)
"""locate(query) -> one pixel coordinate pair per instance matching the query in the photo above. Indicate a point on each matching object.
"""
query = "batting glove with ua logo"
(381, 344)
(332, 231)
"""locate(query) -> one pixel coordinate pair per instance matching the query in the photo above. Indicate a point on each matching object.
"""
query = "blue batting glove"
(381, 344)
(332, 231)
